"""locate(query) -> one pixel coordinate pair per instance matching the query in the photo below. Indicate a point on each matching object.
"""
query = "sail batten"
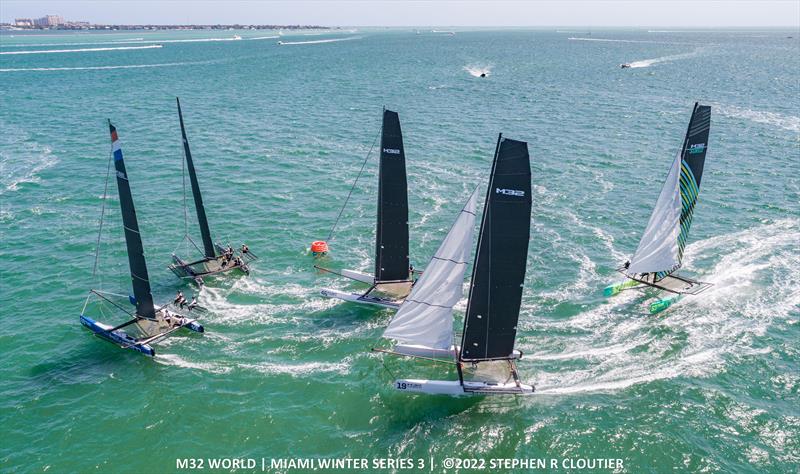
(661, 247)
(391, 238)
(202, 220)
(426, 317)
(495, 296)
(133, 241)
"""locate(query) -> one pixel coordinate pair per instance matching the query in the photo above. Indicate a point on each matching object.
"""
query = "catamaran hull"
(119, 336)
(455, 388)
(359, 298)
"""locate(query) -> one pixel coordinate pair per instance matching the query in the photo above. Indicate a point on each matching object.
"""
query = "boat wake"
(333, 40)
(697, 338)
(22, 167)
(610, 40)
(787, 122)
(82, 50)
(479, 70)
(663, 59)
(100, 68)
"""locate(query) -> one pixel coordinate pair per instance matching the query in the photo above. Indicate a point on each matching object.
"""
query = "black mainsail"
(495, 295)
(391, 240)
(205, 232)
(133, 239)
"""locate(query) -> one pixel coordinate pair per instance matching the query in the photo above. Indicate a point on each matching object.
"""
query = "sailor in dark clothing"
(627, 265)
(179, 300)
(245, 249)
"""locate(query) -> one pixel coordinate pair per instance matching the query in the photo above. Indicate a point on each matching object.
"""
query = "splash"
(663, 59)
(476, 70)
(699, 337)
(82, 50)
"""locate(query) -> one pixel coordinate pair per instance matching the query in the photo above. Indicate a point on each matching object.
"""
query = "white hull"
(358, 276)
(359, 298)
(455, 388)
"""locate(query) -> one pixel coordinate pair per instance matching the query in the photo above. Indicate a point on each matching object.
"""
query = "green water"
(278, 134)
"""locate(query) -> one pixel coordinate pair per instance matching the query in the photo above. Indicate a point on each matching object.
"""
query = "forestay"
(661, 248)
(426, 316)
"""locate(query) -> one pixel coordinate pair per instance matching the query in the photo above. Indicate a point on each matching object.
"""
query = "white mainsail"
(658, 249)
(426, 317)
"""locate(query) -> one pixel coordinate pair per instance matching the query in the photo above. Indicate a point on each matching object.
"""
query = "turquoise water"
(279, 132)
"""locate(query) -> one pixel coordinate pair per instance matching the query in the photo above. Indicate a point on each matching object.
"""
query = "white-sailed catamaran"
(660, 251)
(148, 324)
(392, 279)
(485, 358)
(216, 258)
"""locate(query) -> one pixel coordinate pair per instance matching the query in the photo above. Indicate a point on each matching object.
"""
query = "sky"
(585, 13)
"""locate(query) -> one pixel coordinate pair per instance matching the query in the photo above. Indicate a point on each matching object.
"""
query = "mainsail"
(205, 232)
(660, 250)
(391, 240)
(490, 325)
(133, 240)
(426, 316)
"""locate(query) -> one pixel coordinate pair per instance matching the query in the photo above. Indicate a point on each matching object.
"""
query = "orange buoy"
(319, 247)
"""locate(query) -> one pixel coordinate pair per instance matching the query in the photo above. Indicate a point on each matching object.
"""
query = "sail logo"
(121, 175)
(697, 148)
(392, 151)
(510, 192)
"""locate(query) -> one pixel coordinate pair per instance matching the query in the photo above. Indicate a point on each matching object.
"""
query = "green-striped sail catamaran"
(660, 251)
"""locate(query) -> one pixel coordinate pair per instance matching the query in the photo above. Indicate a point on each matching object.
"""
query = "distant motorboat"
(624, 66)
(237, 37)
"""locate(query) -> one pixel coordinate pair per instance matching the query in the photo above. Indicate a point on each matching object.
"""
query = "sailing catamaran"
(660, 251)
(485, 359)
(216, 258)
(149, 324)
(392, 280)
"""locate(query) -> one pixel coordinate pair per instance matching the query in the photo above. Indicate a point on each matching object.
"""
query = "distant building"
(48, 20)
(23, 22)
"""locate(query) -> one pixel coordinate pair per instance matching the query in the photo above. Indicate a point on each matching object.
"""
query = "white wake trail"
(82, 50)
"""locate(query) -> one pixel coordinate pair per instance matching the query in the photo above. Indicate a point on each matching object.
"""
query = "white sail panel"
(658, 249)
(426, 317)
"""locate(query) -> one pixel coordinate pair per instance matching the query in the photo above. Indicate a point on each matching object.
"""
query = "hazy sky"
(681, 13)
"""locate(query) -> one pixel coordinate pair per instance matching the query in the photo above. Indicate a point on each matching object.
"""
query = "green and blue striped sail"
(662, 245)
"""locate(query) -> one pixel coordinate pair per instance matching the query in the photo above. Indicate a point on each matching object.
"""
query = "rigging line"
(102, 215)
(330, 234)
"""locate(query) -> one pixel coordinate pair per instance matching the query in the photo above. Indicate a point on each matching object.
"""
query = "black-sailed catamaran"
(392, 279)
(148, 324)
(216, 258)
(660, 251)
(484, 358)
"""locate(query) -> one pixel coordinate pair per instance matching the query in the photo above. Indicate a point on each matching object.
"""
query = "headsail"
(133, 240)
(391, 239)
(205, 232)
(490, 325)
(660, 250)
(426, 316)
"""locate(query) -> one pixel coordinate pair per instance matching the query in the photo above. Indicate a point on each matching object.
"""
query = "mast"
(391, 238)
(660, 250)
(205, 232)
(495, 295)
(133, 239)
